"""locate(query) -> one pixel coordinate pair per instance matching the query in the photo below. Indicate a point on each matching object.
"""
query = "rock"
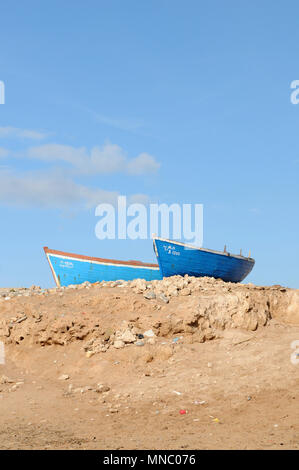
(149, 295)
(118, 344)
(14, 388)
(95, 346)
(101, 388)
(90, 354)
(86, 389)
(6, 380)
(21, 319)
(64, 377)
(128, 337)
(151, 341)
(164, 298)
(172, 292)
(34, 288)
(185, 291)
(149, 334)
(109, 332)
(140, 285)
(139, 343)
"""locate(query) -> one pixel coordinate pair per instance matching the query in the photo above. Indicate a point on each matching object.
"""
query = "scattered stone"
(108, 333)
(102, 388)
(119, 344)
(185, 291)
(128, 337)
(90, 354)
(149, 334)
(20, 320)
(64, 377)
(85, 389)
(150, 295)
(164, 298)
(6, 380)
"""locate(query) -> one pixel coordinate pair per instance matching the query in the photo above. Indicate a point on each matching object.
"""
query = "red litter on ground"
(183, 412)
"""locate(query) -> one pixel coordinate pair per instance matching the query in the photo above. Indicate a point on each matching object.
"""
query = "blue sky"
(167, 101)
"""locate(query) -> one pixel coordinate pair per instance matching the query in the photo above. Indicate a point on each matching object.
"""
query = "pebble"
(164, 298)
(128, 337)
(118, 344)
(149, 334)
(149, 295)
(64, 377)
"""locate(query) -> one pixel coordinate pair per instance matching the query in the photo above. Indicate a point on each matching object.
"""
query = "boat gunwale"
(207, 250)
(49, 251)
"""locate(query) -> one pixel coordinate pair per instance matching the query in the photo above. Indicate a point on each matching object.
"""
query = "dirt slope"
(111, 365)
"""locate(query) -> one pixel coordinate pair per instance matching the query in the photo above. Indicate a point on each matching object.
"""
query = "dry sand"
(79, 375)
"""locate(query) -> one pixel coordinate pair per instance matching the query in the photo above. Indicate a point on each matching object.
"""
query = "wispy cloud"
(125, 124)
(128, 124)
(15, 132)
(53, 190)
(110, 158)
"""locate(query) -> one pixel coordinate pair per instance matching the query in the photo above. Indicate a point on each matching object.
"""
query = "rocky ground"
(183, 363)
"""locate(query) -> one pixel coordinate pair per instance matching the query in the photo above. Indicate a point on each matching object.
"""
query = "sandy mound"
(111, 365)
(119, 314)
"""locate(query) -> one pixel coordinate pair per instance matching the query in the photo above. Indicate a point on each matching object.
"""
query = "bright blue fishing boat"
(180, 258)
(68, 268)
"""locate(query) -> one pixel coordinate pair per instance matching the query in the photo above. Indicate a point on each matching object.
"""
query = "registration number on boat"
(171, 250)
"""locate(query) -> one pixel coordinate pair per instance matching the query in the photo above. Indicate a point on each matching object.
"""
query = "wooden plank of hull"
(68, 268)
(176, 258)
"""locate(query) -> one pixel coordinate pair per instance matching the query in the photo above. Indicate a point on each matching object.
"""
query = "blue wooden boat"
(179, 258)
(68, 268)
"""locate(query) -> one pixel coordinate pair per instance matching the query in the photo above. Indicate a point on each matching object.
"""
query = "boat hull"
(69, 268)
(176, 258)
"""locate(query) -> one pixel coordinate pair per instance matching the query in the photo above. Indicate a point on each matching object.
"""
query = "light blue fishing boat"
(69, 268)
(180, 258)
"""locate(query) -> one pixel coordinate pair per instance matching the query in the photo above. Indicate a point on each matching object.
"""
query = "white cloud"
(53, 190)
(143, 164)
(110, 158)
(56, 152)
(9, 131)
(58, 188)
